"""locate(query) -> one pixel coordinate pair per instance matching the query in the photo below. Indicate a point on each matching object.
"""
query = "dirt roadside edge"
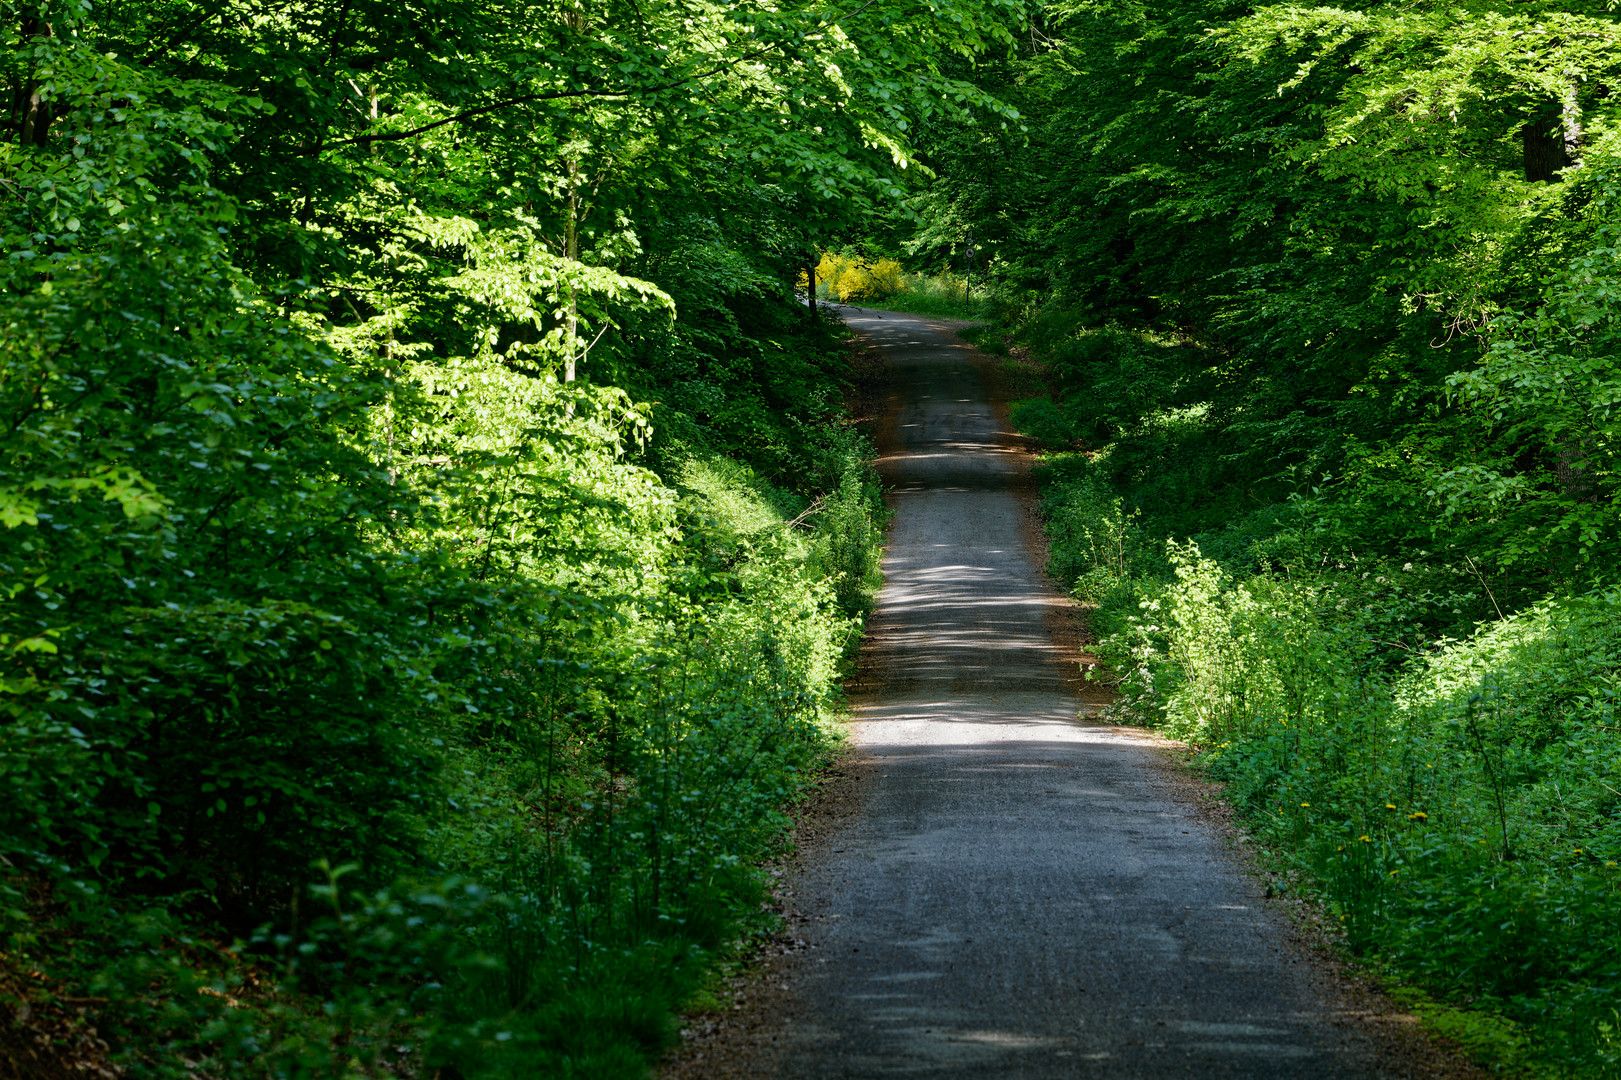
(736, 1036)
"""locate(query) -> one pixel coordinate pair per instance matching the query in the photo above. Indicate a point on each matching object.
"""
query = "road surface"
(1025, 894)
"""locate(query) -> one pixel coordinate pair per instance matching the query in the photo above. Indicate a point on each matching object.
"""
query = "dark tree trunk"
(810, 285)
(1552, 140)
(31, 116)
(1544, 143)
(1570, 468)
(36, 121)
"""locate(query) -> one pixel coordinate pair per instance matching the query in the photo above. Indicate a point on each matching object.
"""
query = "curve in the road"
(1025, 895)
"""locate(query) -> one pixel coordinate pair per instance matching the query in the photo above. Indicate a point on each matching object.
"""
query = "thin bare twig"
(1485, 586)
(593, 344)
(819, 502)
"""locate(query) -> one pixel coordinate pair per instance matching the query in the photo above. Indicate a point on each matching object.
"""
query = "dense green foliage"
(1326, 303)
(431, 537)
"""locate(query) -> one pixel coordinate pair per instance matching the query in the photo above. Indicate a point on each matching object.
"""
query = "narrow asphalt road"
(1024, 895)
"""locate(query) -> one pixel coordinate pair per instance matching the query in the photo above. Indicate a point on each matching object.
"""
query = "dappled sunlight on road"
(1024, 895)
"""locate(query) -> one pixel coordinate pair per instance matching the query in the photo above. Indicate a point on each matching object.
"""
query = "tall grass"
(941, 296)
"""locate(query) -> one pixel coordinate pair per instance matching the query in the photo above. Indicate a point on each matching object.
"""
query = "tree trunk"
(1552, 141)
(572, 17)
(1570, 468)
(810, 285)
(572, 252)
(968, 282)
(32, 114)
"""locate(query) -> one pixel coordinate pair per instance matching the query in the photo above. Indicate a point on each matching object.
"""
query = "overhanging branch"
(557, 95)
(394, 136)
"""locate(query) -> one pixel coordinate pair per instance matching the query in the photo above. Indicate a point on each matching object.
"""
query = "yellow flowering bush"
(851, 277)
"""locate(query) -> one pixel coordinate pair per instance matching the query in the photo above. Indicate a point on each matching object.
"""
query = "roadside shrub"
(847, 277)
(362, 691)
(1048, 423)
(1461, 814)
(1092, 534)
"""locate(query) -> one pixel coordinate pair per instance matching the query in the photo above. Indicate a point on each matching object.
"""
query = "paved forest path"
(1023, 894)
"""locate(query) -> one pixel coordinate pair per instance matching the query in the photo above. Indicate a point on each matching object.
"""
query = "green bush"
(1461, 814)
(1045, 421)
(847, 549)
(291, 591)
(205, 635)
